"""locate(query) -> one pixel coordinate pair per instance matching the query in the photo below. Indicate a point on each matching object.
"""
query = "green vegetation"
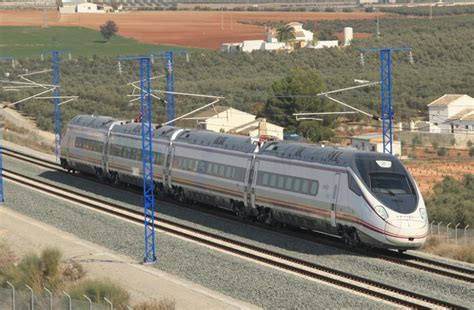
(280, 109)
(96, 290)
(453, 201)
(108, 30)
(285, 33)
(435, 10)
(444, 63)
(21, 42)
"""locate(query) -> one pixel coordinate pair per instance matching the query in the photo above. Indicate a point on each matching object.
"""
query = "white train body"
(362, 196)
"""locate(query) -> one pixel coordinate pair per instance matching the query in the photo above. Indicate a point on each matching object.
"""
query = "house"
(230, 120)
(451, 113)
(87, 7)
(302, 37)
(373, 142)
(325, 44)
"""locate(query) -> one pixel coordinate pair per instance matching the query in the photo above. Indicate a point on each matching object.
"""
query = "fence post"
(431, 227)
(32, 299)
(110, 303)
(69, 298)
(13, 295)
(50, 298)
(465, 236)
(89, 300)
(439, 235)
(447, 231)
(456, 232)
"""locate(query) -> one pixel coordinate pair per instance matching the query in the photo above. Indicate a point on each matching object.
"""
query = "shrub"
(7, 257)
(164, 304)
(469, 144)
(441, 151)
(471, 152)
(73, 272)
(435, 144)
(96, 290)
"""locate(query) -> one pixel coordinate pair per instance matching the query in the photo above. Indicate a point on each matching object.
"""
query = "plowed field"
(188, 29)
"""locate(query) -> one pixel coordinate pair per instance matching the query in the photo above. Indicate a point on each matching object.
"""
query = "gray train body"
(361, 196)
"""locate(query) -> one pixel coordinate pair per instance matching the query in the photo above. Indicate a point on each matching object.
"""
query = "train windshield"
(389, 182)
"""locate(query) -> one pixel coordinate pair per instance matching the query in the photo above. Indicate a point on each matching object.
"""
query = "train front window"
(390, 183)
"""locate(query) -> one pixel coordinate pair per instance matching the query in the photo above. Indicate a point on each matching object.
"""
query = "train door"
(252, 182)
(337, 178)
(249, 192)
(168, 166)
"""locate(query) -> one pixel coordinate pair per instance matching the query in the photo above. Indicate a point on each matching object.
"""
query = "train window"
(273, 180)
(209, 168)
(215, 169)
(314, 188)
(265, 179)
(228, 172)
(353, 185)
(281, 181)
(296, 185)
(221, 170)
(390, 183)
(288, 183)
(304, 186)
(133, 153)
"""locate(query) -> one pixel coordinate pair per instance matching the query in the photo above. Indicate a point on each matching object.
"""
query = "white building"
(373, 142)
(87, 7)
(227, 119)
(325, 44)
(302, 37)
(452, 113)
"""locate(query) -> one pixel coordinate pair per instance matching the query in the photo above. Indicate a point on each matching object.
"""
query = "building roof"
(211, 112)
(294, 24)
(464, 115)
(445, 100)
(299, 34)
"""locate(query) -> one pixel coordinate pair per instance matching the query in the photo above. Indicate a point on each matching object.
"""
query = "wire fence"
(12, 298)
(452, 233)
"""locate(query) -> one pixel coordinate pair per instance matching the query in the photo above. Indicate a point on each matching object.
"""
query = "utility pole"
(57, 102)
(377, 27)
(386, 94)
(169, 57)
(1, 159)
(147, 156)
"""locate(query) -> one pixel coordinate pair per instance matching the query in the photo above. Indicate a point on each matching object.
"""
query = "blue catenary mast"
(386, 94)
(57, 102)
(147, 157)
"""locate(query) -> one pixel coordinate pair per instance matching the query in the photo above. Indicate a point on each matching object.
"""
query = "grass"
(31, 42)
(451, 250)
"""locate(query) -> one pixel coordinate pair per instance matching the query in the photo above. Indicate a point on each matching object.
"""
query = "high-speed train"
(363, 197)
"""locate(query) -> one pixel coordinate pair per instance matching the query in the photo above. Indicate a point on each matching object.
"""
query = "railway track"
(408, 260)
(254, 253)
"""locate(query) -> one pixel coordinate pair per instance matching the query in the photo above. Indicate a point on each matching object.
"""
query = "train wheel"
(115, 178)
(269, 218)
(238, 210)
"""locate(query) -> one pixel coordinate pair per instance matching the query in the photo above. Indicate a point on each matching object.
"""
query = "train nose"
(405, 233)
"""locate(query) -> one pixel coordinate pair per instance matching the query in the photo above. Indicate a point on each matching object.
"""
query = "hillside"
(444, 62)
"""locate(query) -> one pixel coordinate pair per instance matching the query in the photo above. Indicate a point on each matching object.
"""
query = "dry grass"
(462, 252)
(7, 257)
(29, 140)
(163, 304)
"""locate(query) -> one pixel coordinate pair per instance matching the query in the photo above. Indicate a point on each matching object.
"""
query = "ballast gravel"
(230, 275)
(399, 276)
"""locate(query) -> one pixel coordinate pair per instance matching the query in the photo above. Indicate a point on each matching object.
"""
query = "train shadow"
(193, 217)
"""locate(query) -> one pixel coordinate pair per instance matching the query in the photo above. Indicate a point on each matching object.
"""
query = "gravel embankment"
(396, 275)
(221, 272)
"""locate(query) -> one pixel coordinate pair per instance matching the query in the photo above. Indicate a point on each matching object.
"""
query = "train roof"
(217, 140)
(135, 129)
(92, 121)
(319, 154)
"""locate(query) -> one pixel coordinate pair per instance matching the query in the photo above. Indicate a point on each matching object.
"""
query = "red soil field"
(181, 28)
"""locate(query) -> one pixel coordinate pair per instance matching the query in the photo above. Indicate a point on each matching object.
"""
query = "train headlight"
(423, 213)
(382, 212)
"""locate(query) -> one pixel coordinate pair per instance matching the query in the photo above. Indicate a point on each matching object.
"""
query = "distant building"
(373, 142)
(325, 44)
(452, 113)
(87, 7)
(302, 37)
(368, 1)
(230, 120)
